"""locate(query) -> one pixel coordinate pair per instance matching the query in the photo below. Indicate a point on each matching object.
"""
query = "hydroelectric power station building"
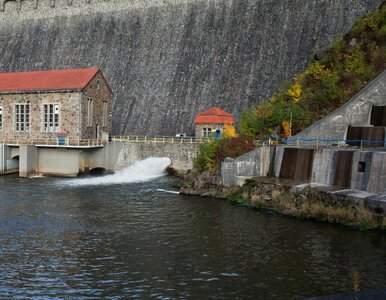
(40, 105)
(52, 122)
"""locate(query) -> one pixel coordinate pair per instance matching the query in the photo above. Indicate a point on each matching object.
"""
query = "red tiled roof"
(46, 80)
(214, 115)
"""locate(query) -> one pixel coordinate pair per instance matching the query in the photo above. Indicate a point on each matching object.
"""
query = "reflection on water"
(136, 240)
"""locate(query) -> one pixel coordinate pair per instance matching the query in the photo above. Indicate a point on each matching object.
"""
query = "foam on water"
(143, 170)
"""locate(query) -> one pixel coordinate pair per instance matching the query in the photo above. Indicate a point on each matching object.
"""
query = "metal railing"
(320, 142)
(160, 139)
(56, 142)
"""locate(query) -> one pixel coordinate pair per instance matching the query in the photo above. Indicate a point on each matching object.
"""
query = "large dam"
(167, 60)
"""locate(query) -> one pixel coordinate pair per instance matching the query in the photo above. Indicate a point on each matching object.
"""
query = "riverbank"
(287, 198)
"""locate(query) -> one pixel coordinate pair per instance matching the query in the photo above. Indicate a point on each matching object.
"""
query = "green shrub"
(205, 158)
(213, 152)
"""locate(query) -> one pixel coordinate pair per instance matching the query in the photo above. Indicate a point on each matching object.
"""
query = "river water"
(117, 238)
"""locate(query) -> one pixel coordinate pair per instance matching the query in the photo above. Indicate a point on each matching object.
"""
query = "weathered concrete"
(254, 163)
(323, 166)
(29, 160)
(368, 168)
(105, 157)
(63, 161)
(376, 203)
(71, 161)
(374, 178)
(181, 154)
(279, 152)
(166, 60)
(12, 161)
(60, 161)
(9, 159)
(356, 112)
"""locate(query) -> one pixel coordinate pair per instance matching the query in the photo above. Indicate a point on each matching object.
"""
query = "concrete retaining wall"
(181, 154)
(105, 157)
(368, 168)
(56, 161)
(254, 163)
(323, 166)
(67, 161)
(113, 156)
(373, 178)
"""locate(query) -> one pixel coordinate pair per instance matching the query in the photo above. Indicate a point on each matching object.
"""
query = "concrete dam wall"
(167, 60)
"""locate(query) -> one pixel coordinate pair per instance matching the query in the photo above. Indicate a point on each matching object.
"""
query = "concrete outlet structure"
(71, 161)
(348, 168)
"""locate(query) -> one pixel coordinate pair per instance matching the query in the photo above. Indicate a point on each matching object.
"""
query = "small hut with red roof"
(44, 104)
(212, 122)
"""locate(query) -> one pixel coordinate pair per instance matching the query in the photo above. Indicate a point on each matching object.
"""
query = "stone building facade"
(212, 123)
(39, 106)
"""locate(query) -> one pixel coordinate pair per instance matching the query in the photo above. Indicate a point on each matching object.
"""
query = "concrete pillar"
(3, 158)
(28, 160)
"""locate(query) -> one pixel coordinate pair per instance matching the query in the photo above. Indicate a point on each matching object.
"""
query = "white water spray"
(143, 170)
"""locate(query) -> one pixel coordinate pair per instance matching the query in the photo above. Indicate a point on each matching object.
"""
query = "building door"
(218, 134)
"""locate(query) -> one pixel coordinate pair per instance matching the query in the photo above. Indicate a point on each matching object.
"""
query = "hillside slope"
(324, 86)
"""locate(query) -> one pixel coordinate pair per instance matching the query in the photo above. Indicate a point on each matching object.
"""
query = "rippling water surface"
(136, 240)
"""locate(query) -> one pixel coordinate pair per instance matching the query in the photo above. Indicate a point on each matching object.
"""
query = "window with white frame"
(206, 132)
(1, 117)
(22, 117)
(51, 117)
(105, 117)
(89, 112)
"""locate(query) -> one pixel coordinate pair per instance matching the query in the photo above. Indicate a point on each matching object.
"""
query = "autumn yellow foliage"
(286, 125)
(229, 131)
(315, 70)
(295, 92)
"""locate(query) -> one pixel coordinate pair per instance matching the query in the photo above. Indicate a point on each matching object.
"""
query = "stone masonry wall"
(198, 129)
(68, 112)
(98, 90)
(167, 60)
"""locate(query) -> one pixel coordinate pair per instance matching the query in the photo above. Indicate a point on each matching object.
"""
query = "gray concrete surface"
(70, 161)
(323, 166)
(376, 203)
(371, 179)
(29, 160)
(181, 154)
(255, 163)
